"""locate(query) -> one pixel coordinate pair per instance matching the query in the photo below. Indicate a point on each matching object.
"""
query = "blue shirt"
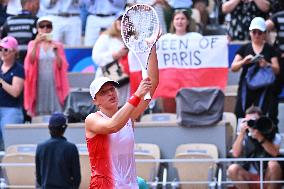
(7, 100)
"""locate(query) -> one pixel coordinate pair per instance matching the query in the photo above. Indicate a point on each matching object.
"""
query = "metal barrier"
(216, 182)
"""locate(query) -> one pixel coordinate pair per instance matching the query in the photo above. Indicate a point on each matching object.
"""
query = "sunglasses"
(5, 50)
(48, 26)
(257, 32)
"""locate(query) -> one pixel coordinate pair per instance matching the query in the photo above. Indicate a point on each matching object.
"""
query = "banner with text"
(187, 61)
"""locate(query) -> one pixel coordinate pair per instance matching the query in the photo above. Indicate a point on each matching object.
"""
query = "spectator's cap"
(9, 42)
(258, 23)
(44, 18)
(57, 121)
(97, 84)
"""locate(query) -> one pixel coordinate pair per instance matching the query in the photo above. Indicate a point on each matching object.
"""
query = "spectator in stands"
(13, 7)
(201, 6)
(3, 14)
(241, 13)
(46, 84)
(104, 55)
(160, 7)
(57, 160)
(276, 6)
(11, 85)
(244, 59)
(257, 139)
(23, 26)
(276, 22)
(182, 25)
(65, 16)
(101, 15)
(109, 132)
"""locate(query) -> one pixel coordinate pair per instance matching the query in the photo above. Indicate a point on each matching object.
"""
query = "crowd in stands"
(33, 72)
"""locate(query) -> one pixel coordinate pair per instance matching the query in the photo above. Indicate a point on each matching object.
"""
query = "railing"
(216, 182)
(219, 181)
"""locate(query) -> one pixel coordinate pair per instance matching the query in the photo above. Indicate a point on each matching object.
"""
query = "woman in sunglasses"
(245, 58)
(11, 85)
(46, 84)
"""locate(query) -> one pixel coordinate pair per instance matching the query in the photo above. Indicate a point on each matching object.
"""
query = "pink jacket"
(31, 76)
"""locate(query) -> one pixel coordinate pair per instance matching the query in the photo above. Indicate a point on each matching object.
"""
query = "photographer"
(257, 139)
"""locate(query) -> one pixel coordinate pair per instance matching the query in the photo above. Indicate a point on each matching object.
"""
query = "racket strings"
(140, 27)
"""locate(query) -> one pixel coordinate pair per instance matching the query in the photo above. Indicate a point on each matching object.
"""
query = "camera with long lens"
(265, 126)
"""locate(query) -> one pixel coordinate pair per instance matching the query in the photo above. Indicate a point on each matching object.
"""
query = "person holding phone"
(46, 84)
(255, 52)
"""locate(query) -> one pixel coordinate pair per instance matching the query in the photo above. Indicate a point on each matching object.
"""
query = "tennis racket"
(139, 31)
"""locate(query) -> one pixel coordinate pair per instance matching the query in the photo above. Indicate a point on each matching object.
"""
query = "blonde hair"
(113, 30)
(191, 27)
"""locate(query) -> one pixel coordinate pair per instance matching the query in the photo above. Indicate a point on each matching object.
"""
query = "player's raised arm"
(153, 74)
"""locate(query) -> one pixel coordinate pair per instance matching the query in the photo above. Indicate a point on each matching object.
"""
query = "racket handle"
(147, 96)
(145, 75)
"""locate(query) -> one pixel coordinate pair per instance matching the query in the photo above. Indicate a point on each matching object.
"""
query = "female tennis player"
(110, 131)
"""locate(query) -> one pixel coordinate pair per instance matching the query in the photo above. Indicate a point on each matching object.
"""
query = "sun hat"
(44, 18)
(9, 42)
(57, 121)
(97, 84)
(258, 23)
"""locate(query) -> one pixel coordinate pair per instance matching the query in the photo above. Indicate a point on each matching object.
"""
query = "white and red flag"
(186, 61)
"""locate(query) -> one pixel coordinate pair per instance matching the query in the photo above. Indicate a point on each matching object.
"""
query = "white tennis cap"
(258, 23)
(97, 84)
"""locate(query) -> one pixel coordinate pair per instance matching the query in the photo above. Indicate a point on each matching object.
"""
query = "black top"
(3, 14)
(7, 100)
(57, 164)
(253, 96)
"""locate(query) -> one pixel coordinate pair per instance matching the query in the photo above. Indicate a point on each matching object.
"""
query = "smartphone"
(48, 36)
(257, 58)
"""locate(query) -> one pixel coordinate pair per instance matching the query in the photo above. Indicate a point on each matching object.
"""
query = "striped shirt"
(23, 28)
(278, 20)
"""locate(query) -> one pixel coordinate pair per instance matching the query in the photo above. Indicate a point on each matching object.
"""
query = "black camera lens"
(251, 123)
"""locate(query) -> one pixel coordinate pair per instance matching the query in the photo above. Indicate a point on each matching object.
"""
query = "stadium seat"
(144, 151)
(168, 117)
(21, 148)
(232, 119)
(195, 171)
(84, 165)
(20, 176)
